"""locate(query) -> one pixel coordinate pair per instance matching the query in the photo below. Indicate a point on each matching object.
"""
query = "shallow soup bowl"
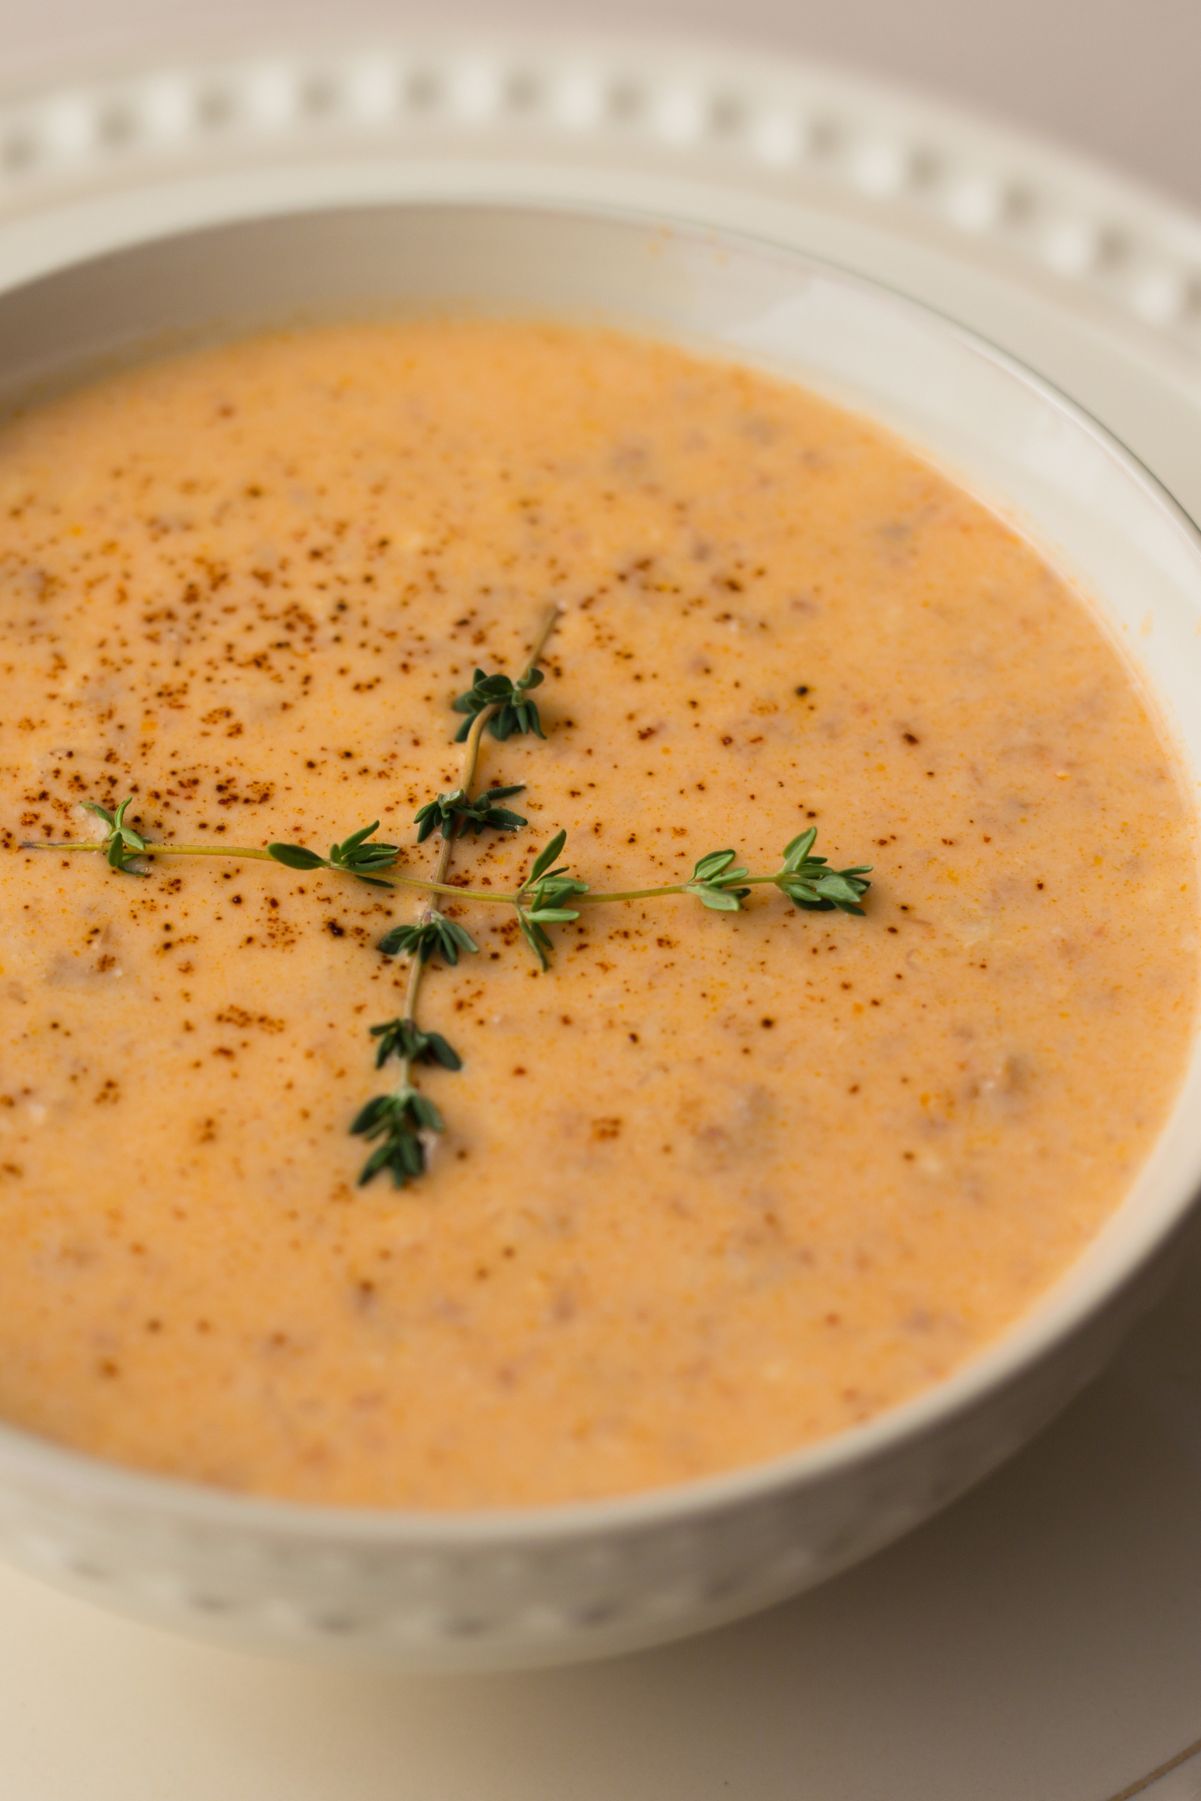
(544, 1585)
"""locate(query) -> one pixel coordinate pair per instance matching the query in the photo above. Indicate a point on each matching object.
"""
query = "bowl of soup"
(600, 924)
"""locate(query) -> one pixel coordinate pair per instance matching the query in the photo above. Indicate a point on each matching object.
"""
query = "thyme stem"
(636, 894)
(161, 850)
(435, 884)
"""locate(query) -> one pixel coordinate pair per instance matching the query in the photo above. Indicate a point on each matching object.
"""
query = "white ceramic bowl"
(542, 1586)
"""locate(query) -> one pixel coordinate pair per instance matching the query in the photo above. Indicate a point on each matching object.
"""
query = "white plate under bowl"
(558, 1584)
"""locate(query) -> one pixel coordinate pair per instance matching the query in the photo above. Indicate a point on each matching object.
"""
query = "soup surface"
(717, 1184)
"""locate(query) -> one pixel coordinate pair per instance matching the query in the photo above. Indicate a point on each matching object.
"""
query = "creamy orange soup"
(716, 1185)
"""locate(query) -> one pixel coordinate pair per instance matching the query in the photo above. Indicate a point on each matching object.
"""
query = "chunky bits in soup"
(731, 1174)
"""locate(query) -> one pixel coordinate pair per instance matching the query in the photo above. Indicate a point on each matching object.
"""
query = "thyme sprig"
(405, 1120)
(722, 885)
(716, 880)
(402, 1123)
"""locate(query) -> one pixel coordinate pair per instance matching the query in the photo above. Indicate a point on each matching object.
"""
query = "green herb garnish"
(399, 1123)
(454, 814)
(507, 703)
(122, 841)
(813, 885)
(539, 901)
(432, 934)
(715, 882)
(403, 1039)
(360, 855)
(399, 1120)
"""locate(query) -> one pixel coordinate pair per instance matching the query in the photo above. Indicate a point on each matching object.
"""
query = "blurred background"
(1117, 79)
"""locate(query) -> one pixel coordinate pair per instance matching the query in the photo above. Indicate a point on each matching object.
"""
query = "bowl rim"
(1051, 1321)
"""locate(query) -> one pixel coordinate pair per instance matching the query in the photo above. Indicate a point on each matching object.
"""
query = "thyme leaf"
(540, 900)
(431, 935)
(513, 711)
(359, 855)
(715, 882)
(811, 884)
(122, 841)
(401, 1121)
(405, 1040)
(454, 813)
